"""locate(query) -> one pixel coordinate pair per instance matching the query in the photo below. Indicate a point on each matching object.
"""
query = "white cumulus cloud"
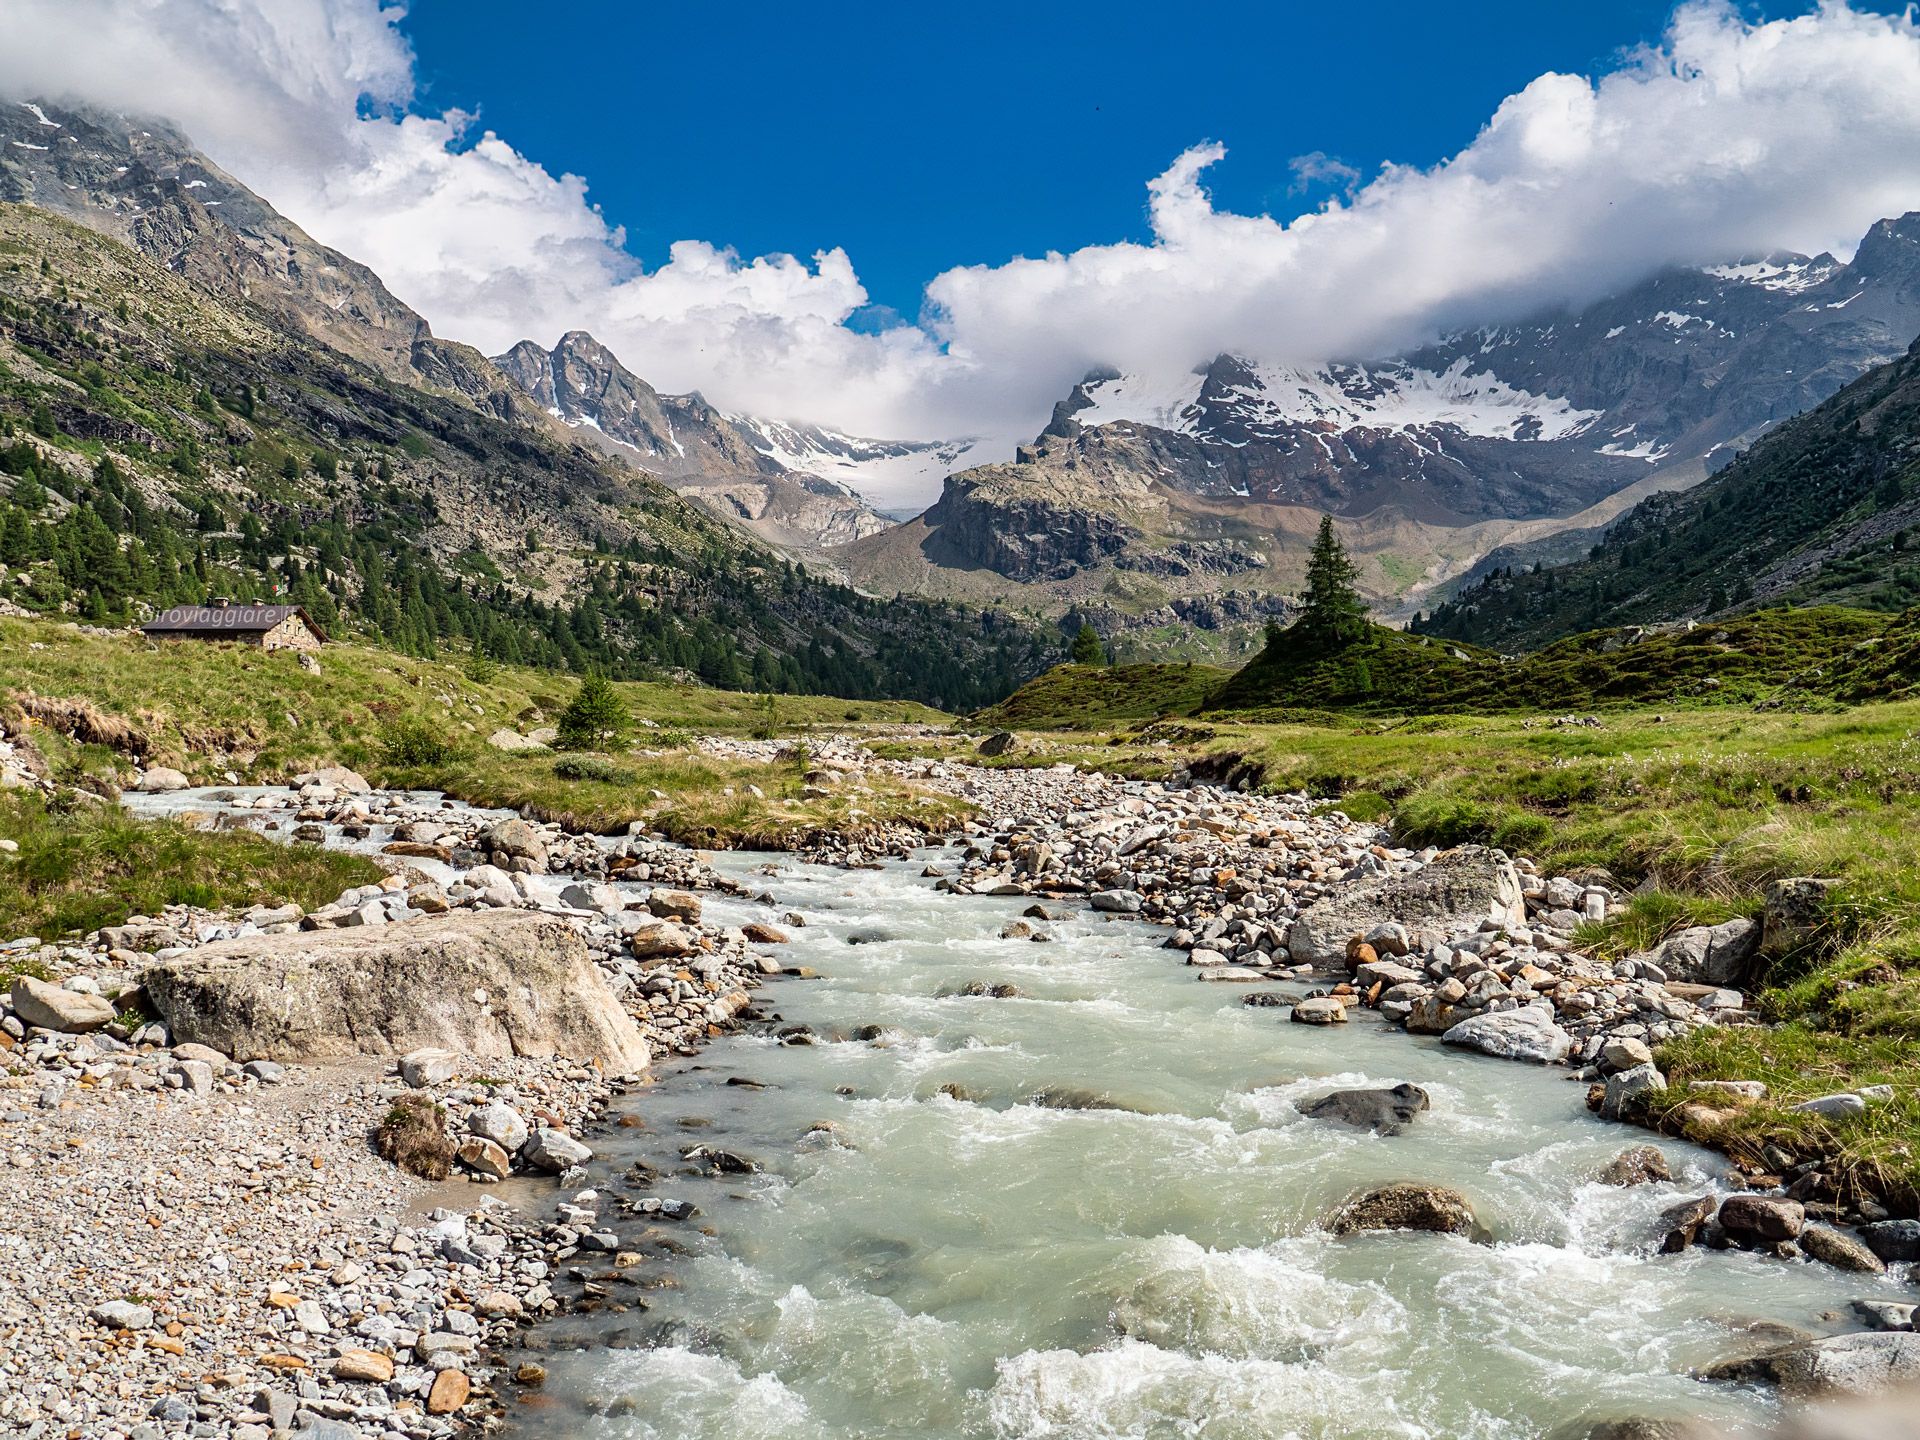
(1731, 137)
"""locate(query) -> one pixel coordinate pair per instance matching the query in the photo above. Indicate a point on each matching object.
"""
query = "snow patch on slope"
(1788, 275)
(897, 474)
(1386, 397)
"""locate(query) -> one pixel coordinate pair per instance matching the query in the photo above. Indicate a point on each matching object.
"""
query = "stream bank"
(1239, 872)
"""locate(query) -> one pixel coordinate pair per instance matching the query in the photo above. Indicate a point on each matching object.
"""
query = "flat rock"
(1528, 1033)
(391, 989)
(1320, 1010)
(1468, 884)
(1862, 1364)
(54, 1007)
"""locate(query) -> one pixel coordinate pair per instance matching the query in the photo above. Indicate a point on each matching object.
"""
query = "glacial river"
(990, 1267)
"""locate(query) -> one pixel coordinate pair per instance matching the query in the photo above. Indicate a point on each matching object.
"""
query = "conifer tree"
(596, 719)
(1087, 649)
(1332, 614)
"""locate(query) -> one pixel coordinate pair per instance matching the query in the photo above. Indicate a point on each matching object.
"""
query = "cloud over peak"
(1729, 138)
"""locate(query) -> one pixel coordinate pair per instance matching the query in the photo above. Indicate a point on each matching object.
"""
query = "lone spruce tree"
(596, 719)
(1087, 649)
(1332, 614)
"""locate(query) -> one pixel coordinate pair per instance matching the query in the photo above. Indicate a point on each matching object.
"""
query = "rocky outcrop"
(684, 440)
(1470, 883)
(490, 983)
(1707, 954)
(982, 523)
(1863, 1364)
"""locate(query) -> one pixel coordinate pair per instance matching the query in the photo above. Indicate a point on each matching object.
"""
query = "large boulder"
(1524, 1034)
(1861, 1364)
(1386, 1111)
(1709, 954)
(479, 983)
(54, 1007)
(1796, 912)
(160, 780)
(515, 839)
(1459, 887)
(1761, 1219)
(1408, 1206)
(1893, 1239)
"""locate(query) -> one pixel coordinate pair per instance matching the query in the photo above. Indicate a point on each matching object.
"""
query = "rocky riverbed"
(204, 1241)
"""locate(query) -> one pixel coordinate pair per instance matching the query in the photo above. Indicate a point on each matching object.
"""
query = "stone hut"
(271, 627)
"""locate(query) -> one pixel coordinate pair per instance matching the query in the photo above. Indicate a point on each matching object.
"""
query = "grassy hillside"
(1081, 697)
(161, 442)
(1824, 509)
(1821, 655)
(96, 703)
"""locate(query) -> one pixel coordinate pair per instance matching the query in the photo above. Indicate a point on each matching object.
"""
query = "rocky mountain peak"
(688, 443)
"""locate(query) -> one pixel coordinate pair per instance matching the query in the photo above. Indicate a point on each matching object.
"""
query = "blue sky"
(921, 137)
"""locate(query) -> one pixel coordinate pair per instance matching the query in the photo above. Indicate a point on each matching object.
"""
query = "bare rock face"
(484, 983)
(1470, 883)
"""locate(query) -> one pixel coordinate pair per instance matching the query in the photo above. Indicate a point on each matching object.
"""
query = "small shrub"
(592, 767)
(1359, 805)
(413, 1135)
(407, 742)
(766, 720)
(482, 669)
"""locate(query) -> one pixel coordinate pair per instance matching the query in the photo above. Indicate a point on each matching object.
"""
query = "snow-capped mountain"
(1526, 420)
(889, 473)
(689, 444)
(1209, 480)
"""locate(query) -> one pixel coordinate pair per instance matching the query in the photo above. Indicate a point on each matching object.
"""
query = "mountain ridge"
(1142, 491)
(178, 419)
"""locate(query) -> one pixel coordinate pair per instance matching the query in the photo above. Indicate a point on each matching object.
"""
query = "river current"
(989, 1266)
(1092, 1211)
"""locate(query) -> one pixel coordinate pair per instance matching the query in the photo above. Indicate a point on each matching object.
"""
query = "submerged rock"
(1387, 1112)
(1408, 1206)
(1641, 1165)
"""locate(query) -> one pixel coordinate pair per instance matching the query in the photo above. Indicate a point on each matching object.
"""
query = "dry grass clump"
(413, 1135)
